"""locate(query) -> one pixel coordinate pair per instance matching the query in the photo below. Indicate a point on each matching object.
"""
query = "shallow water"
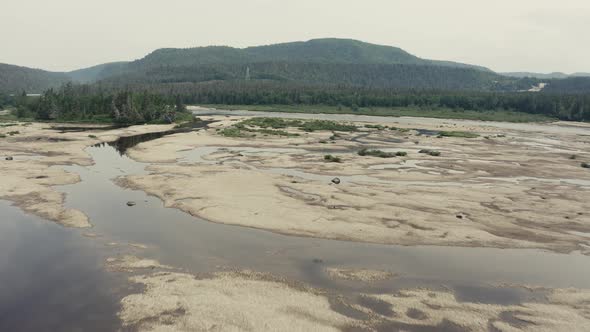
(51, 278)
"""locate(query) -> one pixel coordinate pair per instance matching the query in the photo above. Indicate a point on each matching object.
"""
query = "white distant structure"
(538, 88)
(247, 73)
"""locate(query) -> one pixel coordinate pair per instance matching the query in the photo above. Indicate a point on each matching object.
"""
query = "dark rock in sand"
(9, 158)
(336, 181)
(131, 203)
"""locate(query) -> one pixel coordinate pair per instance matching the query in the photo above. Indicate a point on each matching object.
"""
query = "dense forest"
(575, 107)
(6, 101)
(147, 103)
(80, 103)
(380, 76)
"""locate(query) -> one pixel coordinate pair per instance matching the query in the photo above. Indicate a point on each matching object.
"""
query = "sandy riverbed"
(514, 189)
(246, 301)
(37, 151)
(507, 188)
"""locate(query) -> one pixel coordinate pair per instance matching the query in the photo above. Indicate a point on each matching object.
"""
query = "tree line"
(82, 103)
(571, 107)
(146, 103)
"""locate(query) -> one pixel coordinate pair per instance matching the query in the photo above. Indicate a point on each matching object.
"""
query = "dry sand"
(248, 301)
(229, 301)
(513, 189)
(38, 152)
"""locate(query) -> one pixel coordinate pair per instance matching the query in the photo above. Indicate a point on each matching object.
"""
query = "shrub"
(331, 159)
(232, 132)
(573, 157)
(463, 134)
(376, 153)
(378, 127)
(315, 125)
(92, 136)
(430, 152)
(585, 165)
(401, 153)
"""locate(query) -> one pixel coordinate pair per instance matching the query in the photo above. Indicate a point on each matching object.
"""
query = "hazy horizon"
(528, 36)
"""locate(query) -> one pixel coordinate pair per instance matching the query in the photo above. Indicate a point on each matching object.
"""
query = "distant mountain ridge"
(557, 75)
(15, 79)
(315, 51)
(328, 61)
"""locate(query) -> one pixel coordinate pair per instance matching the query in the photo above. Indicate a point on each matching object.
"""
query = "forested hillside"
(320, 61)
(15, 79)
(99, 72)
(332, 51)
(355, 75)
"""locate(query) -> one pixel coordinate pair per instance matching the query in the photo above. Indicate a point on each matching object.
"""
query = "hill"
(330, 50)
(15, 79)
(389, 76)
(319, 61)
(99, 72)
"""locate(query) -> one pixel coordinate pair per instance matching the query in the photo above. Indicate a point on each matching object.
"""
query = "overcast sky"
(504, 35)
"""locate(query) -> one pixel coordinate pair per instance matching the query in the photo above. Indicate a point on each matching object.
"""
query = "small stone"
(131, 203)
(336, 181)
(9, 158)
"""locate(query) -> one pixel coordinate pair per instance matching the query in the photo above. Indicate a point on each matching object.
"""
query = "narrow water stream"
(179, 239)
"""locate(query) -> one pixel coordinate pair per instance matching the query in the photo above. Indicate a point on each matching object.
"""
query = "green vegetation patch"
(376, 153)
(234, 132)
(463, 134)
(378, 127)
(275, 123)
(433, 153)
(274, 126)
(585, 165)
(332, 159)
(318, 125)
